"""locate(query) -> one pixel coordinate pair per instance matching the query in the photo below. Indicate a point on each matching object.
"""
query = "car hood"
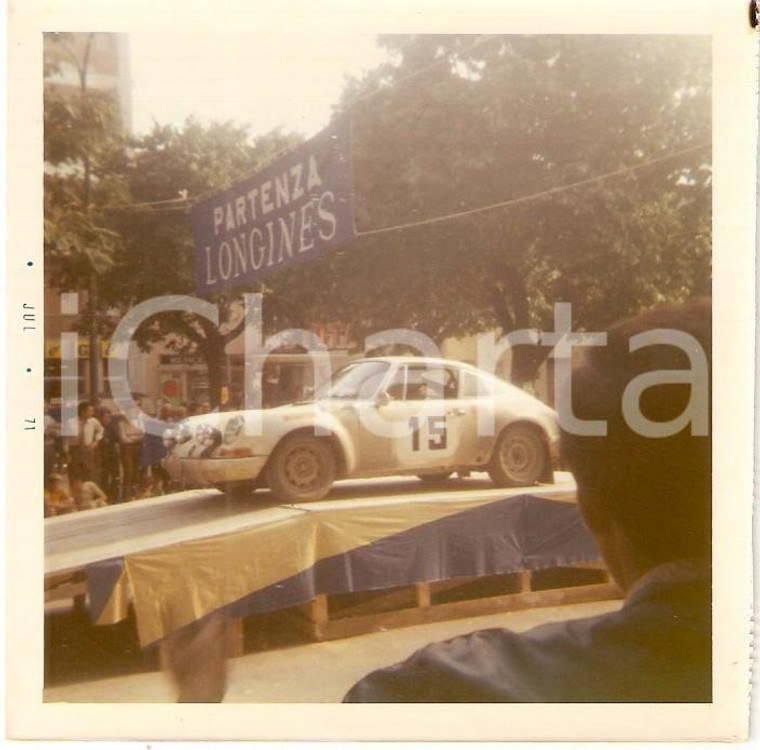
(297, 410)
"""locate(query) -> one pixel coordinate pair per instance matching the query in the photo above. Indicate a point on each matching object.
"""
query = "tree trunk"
(525, 363)
(216, 362)
(94, 357)
(513, 314)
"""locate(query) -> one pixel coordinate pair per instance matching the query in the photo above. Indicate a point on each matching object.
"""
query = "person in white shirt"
(130, 436)
(84, 438)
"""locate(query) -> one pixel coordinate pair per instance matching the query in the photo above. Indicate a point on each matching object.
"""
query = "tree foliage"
(496, 119)
(158, 257)
(452, 124)
(84, 152)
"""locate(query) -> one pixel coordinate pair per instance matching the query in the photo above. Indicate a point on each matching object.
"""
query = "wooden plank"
(524, 578)
(439, 587)
(344, 628)
(164, 653)
(422, 595)
(363, 603)
(66, 591)
(235, 637)
(317, 613)
(598, 565)
(52, 581)
(593, 565)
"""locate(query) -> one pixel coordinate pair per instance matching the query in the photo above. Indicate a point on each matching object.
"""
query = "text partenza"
(295, 210)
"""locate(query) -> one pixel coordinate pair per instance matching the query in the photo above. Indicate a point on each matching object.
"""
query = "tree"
(158, 256)
(500, 118)
(455, 125)
(83, 148)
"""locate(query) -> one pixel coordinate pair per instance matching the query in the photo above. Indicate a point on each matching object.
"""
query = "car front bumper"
(204, 471)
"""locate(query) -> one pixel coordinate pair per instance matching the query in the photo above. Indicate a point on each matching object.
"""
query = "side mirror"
(382, 399)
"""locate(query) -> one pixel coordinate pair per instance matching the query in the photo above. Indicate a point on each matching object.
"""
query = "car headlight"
(208, 438)
(232, 429)
(204, 433)
(184, 432)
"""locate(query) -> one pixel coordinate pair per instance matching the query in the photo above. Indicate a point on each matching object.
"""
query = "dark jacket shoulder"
(656, 648)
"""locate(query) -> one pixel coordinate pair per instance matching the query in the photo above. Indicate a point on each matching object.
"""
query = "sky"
(289, 80)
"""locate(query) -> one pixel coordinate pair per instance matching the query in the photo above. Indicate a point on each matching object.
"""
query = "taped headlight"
(185, 432)
(208, 438)
(204, 434)
(232, 429)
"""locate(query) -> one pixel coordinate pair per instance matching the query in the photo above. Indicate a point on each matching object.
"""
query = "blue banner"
(292, 212)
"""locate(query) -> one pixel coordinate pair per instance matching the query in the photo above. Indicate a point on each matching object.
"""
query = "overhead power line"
(171, 204)
(184, 203)
(532, 196)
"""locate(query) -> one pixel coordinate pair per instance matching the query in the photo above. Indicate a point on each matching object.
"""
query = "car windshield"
(359, 381)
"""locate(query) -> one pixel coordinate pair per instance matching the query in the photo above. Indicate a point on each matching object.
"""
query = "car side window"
(474, 386)
(397, 387)
(435, 383)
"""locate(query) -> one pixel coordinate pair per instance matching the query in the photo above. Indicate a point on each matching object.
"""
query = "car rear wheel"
(301, 470)
(519, 458)
(441, 476)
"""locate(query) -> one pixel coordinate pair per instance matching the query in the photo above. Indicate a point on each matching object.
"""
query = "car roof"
(411, 358)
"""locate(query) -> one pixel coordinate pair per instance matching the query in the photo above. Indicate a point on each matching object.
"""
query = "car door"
(478, 404)
(428, 415)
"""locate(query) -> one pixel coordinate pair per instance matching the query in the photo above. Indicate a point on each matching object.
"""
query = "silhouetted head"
(646, 499)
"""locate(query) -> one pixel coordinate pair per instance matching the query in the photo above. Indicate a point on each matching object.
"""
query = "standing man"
(130, 437)
(83, 445)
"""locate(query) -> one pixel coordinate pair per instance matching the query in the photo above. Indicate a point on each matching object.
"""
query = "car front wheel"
(519, 458)
(301, 470)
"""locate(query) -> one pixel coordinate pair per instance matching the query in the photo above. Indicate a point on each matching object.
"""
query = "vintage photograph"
(376, 368)
(306, 371)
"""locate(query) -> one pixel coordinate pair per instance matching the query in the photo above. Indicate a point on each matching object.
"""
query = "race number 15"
(436, 433)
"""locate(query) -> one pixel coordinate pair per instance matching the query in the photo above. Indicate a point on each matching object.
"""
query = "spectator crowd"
(104, 457)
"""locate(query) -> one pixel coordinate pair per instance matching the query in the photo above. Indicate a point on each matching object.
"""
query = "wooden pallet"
(66, 586)
(332, 617)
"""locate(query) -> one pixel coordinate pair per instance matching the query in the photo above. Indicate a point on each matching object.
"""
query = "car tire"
(519, 458)
(302, 469)
(441, 476)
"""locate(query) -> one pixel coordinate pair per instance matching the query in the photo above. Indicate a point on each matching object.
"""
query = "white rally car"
(378, 417)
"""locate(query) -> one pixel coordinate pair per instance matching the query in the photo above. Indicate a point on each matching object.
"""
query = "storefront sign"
(182, 359)
(289, 213)
(53, 348)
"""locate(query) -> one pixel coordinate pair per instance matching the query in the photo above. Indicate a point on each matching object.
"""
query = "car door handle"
(456, 412)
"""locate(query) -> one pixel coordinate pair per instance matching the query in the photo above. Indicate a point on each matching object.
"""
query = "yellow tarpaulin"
(173, 586)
